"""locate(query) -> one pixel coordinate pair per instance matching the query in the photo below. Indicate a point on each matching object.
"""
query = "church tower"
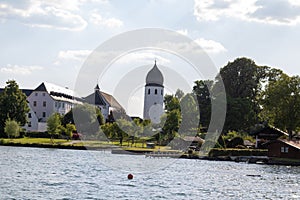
(154, 95)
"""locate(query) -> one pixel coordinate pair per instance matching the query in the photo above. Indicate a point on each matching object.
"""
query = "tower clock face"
(155, 112)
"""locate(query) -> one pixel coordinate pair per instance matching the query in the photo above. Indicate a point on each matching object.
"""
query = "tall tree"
(13, 105)
(242, 81)
(281, 103)
(53, 125)
(189, 114)
(171, 119)
(202, 90)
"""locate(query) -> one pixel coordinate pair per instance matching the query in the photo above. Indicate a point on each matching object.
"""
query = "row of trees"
(255, 94)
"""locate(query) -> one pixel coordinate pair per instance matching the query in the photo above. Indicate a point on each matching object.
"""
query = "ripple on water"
(29, 173)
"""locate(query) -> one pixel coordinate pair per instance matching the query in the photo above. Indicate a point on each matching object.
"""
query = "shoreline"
(155, 153)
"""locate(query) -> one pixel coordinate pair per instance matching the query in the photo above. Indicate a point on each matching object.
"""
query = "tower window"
(44, 103)
(155, 92)
(148, 91)
(161, 92)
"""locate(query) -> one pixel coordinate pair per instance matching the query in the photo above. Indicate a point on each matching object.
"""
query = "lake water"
(35, 173)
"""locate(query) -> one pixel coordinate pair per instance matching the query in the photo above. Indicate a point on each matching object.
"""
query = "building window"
(63, 105)
(34, 103)
(44, 103)
(148, 91)
(29, 124)
(44, 94)
(36, 94)
(155, 92)
(284, 149)
(29, 115)
(44, 114)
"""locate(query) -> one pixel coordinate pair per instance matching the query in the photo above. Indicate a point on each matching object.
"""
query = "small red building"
(284, 149)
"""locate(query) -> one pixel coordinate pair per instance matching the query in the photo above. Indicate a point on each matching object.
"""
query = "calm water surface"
(34, 173)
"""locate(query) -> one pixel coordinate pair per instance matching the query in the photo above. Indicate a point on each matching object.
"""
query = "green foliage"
(68, 118)
(237, 152)
(54, 124)
(88, 119)
(12, 128)
(202, 90)
(171, 125)
(242, 79)
(190, 115)
(70, 128)
(171, 103)
(281, 103)
(13, 105)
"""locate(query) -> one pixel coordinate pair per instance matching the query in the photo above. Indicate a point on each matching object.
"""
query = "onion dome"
(154, 77)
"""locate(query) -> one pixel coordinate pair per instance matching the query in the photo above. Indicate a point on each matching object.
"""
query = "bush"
(237, 152)
(12, 128)
(41, 135)
(234, 142)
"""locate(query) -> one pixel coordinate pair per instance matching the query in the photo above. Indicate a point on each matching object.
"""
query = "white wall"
(32, 124)
(40, 97)
(153, 103)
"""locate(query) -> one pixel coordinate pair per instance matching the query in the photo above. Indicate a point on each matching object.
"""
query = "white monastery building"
(49, 98)
(154, 95)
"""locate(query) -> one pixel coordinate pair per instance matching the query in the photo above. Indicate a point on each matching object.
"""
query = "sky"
(51, 40)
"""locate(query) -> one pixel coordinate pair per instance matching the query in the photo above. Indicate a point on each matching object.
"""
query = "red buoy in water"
(130, 176)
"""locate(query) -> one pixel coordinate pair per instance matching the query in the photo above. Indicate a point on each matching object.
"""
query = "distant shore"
(256, 156)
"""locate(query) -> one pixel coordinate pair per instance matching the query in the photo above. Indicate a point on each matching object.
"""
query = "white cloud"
(142, 58)
(183, 32)
(210, 46)
(97, 19)
(77, 55)
(278, 12)
(47, 14)
(20, 70)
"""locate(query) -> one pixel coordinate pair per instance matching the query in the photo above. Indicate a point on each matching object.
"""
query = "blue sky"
(49, 40)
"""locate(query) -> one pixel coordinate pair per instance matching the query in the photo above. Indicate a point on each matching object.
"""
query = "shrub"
(237, 152)
(12, 128)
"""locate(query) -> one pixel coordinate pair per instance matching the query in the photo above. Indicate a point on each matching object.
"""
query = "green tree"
(88, 119)
(242, 80)
(13, 105)
(70, 128)
(190, 115)
(12, 128)
(171, 125)
(68, 118)
(170, 121)
(53, 125)
(171, 103)
(202, 90)
(281, 103)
